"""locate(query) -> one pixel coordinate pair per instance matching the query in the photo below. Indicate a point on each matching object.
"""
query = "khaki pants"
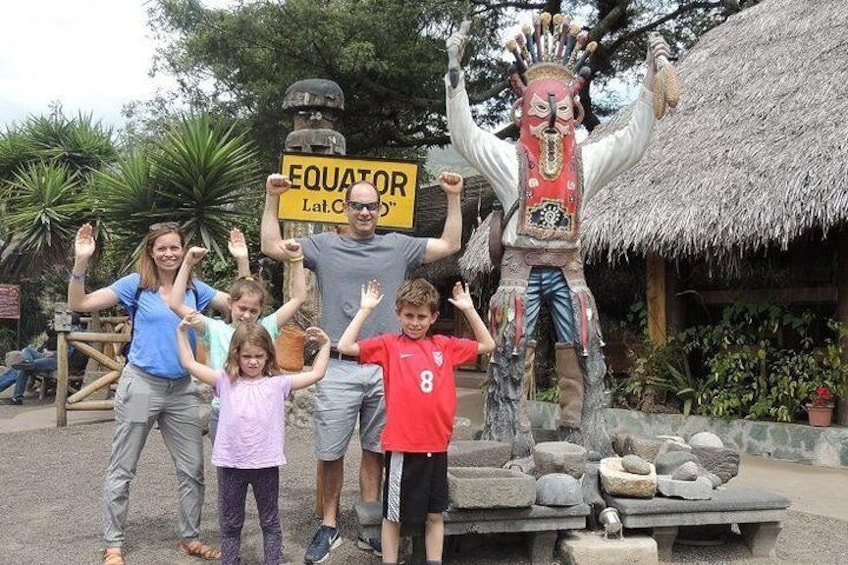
(140, 401)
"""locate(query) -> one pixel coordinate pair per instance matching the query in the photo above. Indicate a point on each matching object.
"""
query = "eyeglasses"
(359, 206)
(164, 226)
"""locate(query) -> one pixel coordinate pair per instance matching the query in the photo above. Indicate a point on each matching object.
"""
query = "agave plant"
(195, 175)
(44, 204)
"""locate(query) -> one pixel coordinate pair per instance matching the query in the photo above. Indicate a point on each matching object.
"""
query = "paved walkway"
(815, 490)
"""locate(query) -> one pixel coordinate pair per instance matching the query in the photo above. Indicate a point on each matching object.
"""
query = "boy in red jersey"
(420, 394)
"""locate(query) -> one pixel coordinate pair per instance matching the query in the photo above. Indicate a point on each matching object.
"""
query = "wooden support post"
(842, 312)
(92, 405)
(87, 390)
(656, 299)
(61, 379)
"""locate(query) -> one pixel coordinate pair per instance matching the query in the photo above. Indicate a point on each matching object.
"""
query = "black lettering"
(312, 178)
(384, 209)
(399, 180)
(381, 181)
(338, 206)
(305, 205)
(294, 175)
(334, 171)
(363, 173)
(348, 178)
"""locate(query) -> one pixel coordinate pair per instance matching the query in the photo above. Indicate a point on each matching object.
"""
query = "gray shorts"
(349, 392)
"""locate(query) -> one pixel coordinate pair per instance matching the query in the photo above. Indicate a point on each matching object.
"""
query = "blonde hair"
(417, 292)
(250, 286)
(256, 335)
(148, 273)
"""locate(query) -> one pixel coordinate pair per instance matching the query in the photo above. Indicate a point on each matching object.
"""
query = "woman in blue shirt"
(153, 388)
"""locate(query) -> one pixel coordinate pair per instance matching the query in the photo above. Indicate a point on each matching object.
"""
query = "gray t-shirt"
(343, 264)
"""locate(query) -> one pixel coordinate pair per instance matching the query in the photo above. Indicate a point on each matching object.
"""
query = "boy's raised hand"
(461, 297)
(452, 183)
(276, 184)
(316, 334)
(372, 295)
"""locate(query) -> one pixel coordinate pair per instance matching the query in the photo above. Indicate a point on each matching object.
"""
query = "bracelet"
(295, 259)
(76, 277)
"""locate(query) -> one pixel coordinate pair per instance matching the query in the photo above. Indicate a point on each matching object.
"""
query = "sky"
(92, 56)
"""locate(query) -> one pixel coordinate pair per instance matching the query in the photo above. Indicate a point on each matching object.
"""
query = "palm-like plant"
(195, 175)
(44, 206)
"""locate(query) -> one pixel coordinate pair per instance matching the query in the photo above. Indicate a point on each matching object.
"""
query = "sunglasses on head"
(359, 206)
(164, 226)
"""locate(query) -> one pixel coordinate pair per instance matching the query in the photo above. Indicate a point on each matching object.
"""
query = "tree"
(198, 174)
(388, 57)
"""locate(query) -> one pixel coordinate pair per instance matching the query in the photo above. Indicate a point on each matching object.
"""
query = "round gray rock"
(668, 462)
(558, 489)
(706, 439)
(686, 472)
(636, 465)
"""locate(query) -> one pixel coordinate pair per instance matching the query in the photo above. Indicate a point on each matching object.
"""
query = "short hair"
(417, 292)
(351, 186)
(253, 334)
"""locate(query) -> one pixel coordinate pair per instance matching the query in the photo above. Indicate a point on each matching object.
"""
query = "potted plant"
(820, 410)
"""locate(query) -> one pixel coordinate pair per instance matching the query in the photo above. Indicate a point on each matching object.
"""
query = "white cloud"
(92, 56)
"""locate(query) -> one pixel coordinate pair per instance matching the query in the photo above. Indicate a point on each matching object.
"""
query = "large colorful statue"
(543, 181)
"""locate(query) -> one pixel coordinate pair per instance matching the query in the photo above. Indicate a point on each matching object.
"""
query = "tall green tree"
(198, 173)
(389, 58)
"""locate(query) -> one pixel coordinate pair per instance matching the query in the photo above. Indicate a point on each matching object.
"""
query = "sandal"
(197, 548)
(113, 556)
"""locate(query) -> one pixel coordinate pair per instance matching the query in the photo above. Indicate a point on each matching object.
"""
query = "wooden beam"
(87, 390)
(92, 405)
(656, 299)
(797, 295)
(61, 379)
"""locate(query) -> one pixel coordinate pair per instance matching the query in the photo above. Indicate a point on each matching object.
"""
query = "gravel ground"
(49, 510)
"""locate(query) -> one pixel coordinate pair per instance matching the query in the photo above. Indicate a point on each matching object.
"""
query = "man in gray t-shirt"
(351, 392)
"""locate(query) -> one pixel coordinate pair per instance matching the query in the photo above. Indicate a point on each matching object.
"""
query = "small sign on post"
(318, 184)
(10, 301)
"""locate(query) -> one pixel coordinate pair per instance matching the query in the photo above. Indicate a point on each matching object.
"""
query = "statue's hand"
(657, 47)
(456, 48)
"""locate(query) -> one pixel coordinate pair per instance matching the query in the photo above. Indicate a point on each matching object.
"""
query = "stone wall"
(824, 447)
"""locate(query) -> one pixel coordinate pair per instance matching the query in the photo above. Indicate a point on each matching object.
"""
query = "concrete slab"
(590, 548)
(489, 487)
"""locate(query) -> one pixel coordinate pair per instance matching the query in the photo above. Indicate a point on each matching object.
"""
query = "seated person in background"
(43, 360)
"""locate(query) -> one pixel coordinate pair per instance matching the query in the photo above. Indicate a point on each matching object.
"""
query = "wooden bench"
(541, 524)
(758, 513)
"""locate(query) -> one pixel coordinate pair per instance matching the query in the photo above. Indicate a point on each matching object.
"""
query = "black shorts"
(416, 485)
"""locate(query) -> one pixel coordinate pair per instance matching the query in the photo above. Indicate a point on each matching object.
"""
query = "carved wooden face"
(542, 98)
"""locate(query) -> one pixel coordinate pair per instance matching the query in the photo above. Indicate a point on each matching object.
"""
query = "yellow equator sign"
(318, 188)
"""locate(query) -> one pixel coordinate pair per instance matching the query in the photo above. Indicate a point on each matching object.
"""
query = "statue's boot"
(570, 393)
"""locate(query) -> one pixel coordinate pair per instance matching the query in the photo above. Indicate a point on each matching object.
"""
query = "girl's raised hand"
(237, 246)
(84, 242)
(195, 254)
(372, 295)
(191, 320)
(317, 335)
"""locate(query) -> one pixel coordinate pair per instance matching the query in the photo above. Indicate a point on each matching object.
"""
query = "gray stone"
(590, 548)
(674, 439)
(616, 481)
(489, 487)
(723, 462)
(461, 429)
(559, 457)
(526, 465)
(543, 415)
(478, 453)
(668, 462)
(558, 489)
(647, 449)
(686, 472)
(591, 486)
(699, 489)
(636, 465)
(541, 436)
(706, 439)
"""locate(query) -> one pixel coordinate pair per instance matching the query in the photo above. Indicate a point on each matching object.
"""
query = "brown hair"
(149, 275)
(252, 334)
(252, 286)
(417, 292)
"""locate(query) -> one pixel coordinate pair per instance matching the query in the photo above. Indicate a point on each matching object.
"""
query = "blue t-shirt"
(154, 341)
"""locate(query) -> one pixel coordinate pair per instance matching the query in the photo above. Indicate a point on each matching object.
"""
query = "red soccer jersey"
(419, 386)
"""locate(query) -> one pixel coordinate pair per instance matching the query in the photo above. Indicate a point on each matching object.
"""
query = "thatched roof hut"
(757, 153)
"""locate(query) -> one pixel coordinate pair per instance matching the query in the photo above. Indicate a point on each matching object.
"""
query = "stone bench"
(758, 514)
(540, 523)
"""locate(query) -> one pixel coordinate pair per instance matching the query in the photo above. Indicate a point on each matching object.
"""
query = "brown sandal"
(197, 548)
(113, 556)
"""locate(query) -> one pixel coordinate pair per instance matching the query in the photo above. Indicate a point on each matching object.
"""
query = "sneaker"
(370, 544)
(324, 540)
(15, 401)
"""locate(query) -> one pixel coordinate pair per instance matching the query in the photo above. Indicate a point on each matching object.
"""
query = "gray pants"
(140, 401)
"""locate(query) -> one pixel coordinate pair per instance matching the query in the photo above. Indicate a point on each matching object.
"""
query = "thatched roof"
(755, 155)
